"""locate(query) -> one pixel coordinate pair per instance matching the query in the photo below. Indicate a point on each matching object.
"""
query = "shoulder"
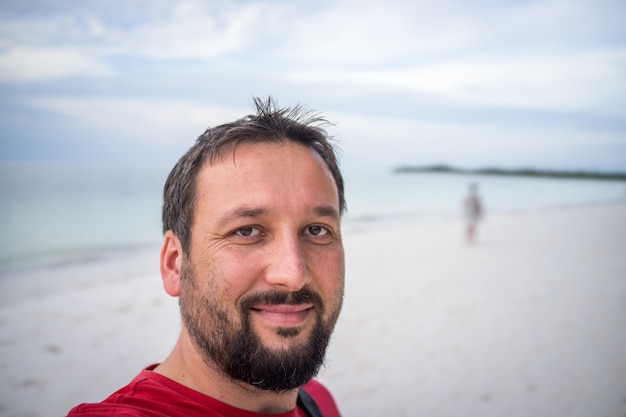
(105, 410)
(323, 398)
(133, 400)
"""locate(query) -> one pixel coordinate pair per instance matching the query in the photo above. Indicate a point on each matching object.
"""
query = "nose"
(287, 267)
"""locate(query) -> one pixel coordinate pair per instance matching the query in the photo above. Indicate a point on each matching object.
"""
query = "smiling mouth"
(283, 315)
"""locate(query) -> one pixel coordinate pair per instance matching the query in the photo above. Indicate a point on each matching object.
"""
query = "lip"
(283, 315)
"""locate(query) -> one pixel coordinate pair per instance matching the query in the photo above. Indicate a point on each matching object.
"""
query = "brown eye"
(317, 230)
(248, 231)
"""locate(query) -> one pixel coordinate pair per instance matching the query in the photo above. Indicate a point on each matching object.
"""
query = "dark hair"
(270, 124)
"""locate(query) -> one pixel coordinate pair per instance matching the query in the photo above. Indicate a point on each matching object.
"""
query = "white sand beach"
(529, 322)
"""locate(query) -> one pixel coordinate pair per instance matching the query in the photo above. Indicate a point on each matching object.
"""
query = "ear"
(171, 261)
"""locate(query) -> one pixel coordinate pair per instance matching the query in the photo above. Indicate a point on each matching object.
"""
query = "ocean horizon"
(58, 214)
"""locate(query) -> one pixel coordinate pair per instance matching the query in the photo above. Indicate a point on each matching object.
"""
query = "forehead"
(265, 172)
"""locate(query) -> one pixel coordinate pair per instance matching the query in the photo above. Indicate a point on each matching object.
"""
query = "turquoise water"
(390, 194)
(63, 213)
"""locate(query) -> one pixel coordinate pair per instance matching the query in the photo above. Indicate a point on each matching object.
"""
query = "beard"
(238, 351)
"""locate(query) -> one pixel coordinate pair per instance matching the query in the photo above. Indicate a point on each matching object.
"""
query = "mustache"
(270, 297)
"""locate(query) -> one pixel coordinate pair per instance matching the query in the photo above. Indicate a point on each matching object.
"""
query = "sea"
(57, 215)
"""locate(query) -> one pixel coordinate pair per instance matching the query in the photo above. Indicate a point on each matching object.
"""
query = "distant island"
(525, 172)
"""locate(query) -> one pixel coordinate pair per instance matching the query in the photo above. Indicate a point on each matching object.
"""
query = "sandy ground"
(529, 322)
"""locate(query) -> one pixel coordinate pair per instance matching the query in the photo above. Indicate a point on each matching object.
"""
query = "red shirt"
(154, 395)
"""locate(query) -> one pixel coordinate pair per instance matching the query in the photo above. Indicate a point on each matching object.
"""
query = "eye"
(247, 232)
(317, 231)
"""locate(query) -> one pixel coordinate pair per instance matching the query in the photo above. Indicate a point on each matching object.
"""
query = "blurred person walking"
(473, 211)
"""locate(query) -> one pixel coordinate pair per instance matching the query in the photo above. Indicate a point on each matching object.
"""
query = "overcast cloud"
(517, 83)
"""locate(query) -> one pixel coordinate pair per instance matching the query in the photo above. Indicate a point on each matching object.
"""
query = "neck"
(187, 366)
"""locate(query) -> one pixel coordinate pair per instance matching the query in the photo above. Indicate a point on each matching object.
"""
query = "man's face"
(262, 286)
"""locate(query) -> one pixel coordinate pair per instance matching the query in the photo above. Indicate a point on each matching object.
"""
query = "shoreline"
(526, 322)
(72, 258)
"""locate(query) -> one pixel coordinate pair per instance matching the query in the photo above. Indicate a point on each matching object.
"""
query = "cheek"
(332, 284)
(236, 274)
(330, 271)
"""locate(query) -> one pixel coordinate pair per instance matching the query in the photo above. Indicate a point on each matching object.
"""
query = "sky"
(511, 84)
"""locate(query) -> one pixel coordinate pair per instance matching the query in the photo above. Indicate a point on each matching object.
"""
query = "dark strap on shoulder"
(307, 404)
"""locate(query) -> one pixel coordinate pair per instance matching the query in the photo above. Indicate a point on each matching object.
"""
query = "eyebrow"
(327, 211)
(242, 213)
(253, 213)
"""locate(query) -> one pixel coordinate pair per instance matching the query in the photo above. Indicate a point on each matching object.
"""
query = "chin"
(285, 337)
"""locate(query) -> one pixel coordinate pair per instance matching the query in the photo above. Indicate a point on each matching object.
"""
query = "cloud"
(45, 64)
(399, 32)
(529, 55)
(88, 42)
(194, 30)
(457, 73)
(370, 33)
(569, 81)
(144, 120)
(385, 142)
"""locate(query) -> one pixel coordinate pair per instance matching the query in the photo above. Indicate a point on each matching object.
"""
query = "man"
(253, 250)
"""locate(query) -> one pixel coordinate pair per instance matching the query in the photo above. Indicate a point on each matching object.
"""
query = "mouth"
(283, 315)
